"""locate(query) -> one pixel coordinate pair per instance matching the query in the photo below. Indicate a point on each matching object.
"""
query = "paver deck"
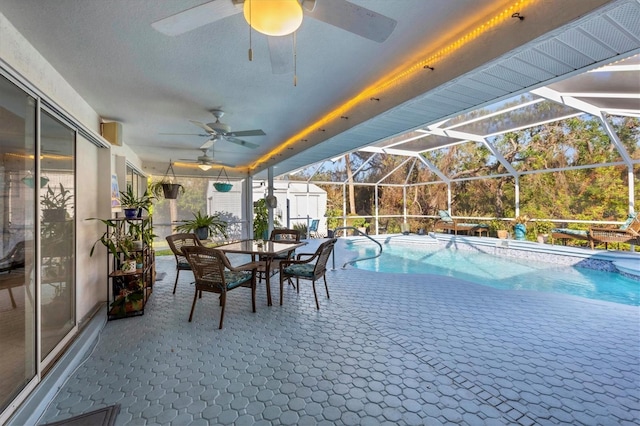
(385, 349)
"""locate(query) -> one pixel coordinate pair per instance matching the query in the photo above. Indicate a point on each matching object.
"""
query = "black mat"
(102, 417)
(160, 276)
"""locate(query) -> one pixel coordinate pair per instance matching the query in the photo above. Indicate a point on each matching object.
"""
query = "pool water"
(502, 273)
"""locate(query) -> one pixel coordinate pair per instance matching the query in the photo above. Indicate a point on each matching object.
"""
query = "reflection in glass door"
(17, 279)
(57, 231)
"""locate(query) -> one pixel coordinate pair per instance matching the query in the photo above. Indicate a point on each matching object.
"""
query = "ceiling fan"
(221, 131)
(205, 161)
(339, 13)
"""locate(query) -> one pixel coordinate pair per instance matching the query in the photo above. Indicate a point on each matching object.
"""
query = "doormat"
(102, 417)
(160, 276)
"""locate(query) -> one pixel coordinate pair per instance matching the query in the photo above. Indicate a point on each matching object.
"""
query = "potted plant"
(261, 220)
(520, 228)
(119, 244)
(204, 225)
(543, 228)
(497, 227)
(132, 205)
(167, 187)
(54, 204)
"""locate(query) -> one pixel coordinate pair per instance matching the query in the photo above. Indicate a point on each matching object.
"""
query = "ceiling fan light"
(204, 167)
(273, 17)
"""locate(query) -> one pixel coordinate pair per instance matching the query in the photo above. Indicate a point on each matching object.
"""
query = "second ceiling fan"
(221, 131)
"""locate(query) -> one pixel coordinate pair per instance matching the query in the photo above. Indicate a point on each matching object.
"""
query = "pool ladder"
(359, 232)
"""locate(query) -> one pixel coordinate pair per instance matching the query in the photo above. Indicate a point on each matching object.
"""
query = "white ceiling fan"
(339, 13)
(205, 161)
(221, 131)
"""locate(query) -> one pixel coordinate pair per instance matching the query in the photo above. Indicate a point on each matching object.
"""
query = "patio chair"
(628, 232)
(213, 273)
(313, 268)
(14, 259)
(313, 229)
(176, 243)
(447, 223)
(282, 236)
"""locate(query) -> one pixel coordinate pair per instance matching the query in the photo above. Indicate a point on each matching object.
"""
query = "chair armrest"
(609, 230)
(247, 266)
(301, 255)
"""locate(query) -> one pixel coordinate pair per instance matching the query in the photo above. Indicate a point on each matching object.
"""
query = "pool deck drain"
(385, 349)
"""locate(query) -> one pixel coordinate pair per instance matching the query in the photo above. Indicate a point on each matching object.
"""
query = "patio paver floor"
(385, 349)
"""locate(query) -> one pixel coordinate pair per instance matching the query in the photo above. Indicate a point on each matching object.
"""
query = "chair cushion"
(301, 270)
(184, 265)
(567, 231)
(236, 278)
(629, 221)
(445, 216)
(473, 225)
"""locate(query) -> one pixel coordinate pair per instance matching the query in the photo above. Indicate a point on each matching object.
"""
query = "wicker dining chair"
(282, 235)
(312, 268)
(176, 243)
(213, 273)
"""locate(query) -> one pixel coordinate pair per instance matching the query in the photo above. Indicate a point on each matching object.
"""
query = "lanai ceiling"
(351, 91)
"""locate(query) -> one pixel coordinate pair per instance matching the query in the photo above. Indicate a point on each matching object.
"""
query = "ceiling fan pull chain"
(295, 59)
(250, 27)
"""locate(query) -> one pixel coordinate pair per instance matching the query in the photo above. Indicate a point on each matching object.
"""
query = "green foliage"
(543, 227)
(56, 200)
(333, 220)
(129, 199)
(302, 227)
(214, 224)
(115, 240)
(260, 218)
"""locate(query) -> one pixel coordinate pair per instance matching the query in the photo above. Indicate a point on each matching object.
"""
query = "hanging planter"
(166, 187)
(222, 186)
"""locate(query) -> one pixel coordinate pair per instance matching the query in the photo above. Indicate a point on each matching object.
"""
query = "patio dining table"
(265, 250)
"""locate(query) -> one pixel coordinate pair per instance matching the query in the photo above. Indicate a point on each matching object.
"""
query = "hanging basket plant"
(167, 187)
(222, 186)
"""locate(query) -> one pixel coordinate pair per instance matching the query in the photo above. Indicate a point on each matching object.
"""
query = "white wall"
(91, 279)
(94, 165)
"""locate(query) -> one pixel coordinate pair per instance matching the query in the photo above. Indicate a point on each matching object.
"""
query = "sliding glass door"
(18, 185)
(57, 231)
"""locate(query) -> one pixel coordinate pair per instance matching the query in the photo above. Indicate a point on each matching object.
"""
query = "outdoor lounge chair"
(313, 229)
(628, 232)
(312, 268)
(213, 273)
(447, 223)
(176, 243)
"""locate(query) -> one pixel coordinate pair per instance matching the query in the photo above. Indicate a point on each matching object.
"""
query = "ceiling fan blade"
(355, 19)
(196, 17)
(182, 134)
(241, 142)
(208, 144)
(243, 133)
(204, 126)
(281, 53)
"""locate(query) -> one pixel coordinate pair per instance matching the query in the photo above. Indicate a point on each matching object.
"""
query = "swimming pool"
(503, 273)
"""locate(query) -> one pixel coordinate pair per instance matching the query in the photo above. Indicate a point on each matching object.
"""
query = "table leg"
(267, 278)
